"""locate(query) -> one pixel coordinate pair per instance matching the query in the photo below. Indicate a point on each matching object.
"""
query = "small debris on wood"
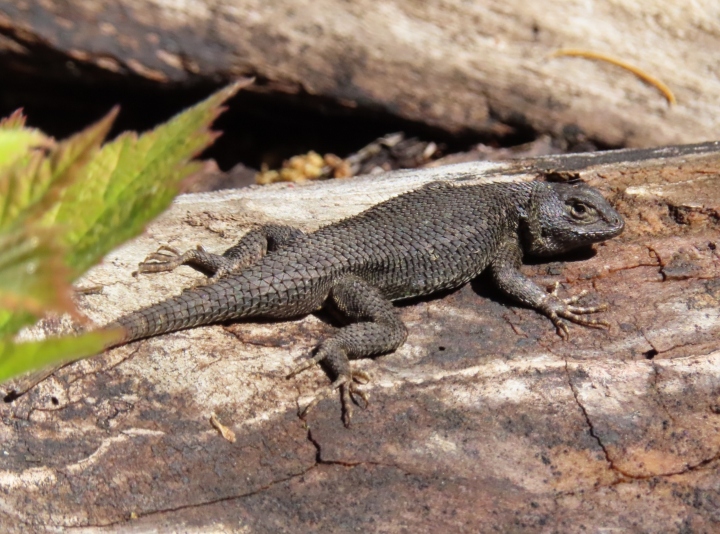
(392, 152)
(310, 166)
(89, 290)
(637, 71)
(225, 432)
(387, 153)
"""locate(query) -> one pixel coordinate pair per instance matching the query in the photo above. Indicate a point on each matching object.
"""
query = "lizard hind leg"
(251, 247)
(375, 329)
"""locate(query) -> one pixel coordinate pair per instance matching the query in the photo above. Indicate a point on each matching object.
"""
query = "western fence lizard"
(437, 237)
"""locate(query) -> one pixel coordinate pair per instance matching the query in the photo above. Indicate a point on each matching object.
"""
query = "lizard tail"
(194, 307)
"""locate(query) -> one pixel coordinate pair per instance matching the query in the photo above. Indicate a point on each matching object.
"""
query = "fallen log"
(485, 419)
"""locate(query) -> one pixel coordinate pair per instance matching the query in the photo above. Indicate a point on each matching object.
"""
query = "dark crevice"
(623, 477)
(682, 215)
(198, 504)
(261, 125)
(267, 123)
(316, 444)
(591, 428)
(257, 491)
(130, 355)
(678, 214)
(12, 396)
(631, 267)
(262, 344)
(318, 454)
(703, 464)
(320, 461)
(653, 351)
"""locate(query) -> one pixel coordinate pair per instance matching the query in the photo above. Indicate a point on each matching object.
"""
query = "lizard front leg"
(251, 247)
(376, 329)
(505, 270)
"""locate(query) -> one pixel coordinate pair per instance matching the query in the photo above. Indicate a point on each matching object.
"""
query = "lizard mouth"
(616, 224)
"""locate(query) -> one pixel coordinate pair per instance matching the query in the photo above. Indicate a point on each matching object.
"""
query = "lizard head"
(564, 216)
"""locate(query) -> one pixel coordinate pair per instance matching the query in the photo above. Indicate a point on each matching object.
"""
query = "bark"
(452, 64)
(485, 420)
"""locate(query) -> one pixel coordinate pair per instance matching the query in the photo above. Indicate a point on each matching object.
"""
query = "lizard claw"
(561, 310)
(304, 366)
(167, 258)
(349, 390)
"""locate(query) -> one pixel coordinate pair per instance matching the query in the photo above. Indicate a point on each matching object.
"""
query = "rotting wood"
(485, 418)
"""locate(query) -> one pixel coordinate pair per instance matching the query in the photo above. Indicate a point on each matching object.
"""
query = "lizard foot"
(558, 309)
(348, 386)
(167, 258)
(347, 382)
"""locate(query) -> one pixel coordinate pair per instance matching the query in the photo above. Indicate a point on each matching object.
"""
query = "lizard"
(437, 237)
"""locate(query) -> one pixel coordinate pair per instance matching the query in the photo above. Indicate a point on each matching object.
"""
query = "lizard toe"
(349, 390)
(307, 364)
(349, 394)
(166, 258)
(584, 321)
(322, 393)
(560, 311)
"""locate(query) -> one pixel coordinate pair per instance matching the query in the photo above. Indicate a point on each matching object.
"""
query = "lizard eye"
(581, 211)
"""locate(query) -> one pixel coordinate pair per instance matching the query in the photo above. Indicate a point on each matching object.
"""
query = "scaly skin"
(437, 237)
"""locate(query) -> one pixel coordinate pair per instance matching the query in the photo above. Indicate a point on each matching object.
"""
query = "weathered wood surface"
(454, 64)
(483, 421)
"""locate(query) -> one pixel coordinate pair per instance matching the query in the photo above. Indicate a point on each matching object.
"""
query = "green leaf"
(131, 180)
(16, 141)
(33, 277)
(15, 121)
(33, 274)
(19, 358)
(17, 144)
(32, 184)
(65, 205)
